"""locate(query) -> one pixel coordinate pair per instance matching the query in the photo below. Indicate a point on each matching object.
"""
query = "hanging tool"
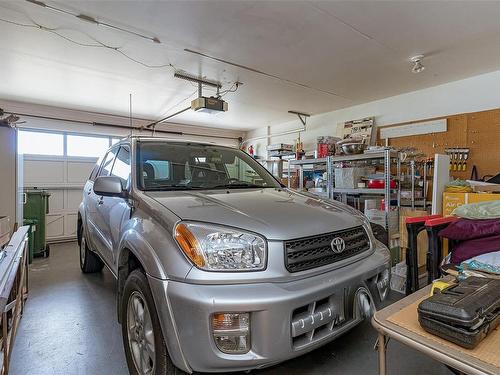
(466, 156)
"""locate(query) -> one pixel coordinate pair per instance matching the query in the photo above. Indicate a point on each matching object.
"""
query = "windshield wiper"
(237, 185)
(171, 187)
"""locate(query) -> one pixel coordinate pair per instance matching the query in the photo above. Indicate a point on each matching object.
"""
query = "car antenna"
(130, 114)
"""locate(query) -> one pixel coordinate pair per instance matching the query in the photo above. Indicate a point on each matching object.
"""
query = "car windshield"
(186, 166)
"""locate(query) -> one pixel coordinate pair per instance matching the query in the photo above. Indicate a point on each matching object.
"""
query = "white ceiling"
(346, 52)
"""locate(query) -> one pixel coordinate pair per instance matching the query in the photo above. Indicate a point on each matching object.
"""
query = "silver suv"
(220, 267)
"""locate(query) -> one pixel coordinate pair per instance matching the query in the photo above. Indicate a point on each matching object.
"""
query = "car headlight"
(218, 248)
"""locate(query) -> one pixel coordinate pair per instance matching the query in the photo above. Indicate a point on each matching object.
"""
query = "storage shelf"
(365, 191)
(367, 156)
(355, 157)
(307, 161)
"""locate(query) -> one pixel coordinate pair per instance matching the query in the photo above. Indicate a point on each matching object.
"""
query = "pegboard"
(479, 131)
(484, 141)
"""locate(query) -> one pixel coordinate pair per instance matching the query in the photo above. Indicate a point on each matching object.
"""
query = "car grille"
(311, 252)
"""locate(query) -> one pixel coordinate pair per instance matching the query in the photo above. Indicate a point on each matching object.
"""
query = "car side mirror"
(109, 186)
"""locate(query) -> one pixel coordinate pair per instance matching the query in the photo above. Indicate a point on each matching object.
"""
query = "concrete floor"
(69, 328)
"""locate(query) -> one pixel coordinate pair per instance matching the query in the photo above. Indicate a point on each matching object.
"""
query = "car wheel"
(143, 340)
(89, 261)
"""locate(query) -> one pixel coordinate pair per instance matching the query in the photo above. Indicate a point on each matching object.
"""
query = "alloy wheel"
(83, 247)
(140, 334)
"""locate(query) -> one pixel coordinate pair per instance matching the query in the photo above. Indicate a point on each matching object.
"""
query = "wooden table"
(450, 355)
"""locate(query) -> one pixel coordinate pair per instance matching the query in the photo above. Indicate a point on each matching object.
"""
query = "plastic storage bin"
(36, 206)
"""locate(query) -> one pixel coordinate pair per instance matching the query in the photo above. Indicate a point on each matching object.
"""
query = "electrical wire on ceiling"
(234, 87)
(92, 20)
(98, 44)
(220, 94)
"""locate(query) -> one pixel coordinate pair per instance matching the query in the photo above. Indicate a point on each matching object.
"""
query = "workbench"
(399, 321)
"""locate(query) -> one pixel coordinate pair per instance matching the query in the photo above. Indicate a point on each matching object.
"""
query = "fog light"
(231, 332)
(364, 305)
(383, 282)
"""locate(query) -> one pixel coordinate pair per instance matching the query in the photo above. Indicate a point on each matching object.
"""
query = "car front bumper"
(286, 319)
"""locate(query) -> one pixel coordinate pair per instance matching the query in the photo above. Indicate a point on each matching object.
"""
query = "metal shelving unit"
(321, 164)
(389, 158)
(413, 201)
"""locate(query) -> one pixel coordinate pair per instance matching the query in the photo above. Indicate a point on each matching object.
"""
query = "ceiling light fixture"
(417, 63)
(89, 19)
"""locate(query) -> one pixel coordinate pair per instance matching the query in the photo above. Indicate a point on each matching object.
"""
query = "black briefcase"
(463, 313)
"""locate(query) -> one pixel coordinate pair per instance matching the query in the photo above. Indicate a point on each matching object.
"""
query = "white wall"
(469, 95)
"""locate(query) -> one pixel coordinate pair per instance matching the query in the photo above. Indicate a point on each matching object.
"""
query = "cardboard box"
(454, 200)
(348, 178)
(422, 238)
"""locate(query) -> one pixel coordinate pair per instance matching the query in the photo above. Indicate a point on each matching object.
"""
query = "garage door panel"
(55, 225)
(79, 171)
(56, 200)
(74, 198)
(70, 221)
(43, 172)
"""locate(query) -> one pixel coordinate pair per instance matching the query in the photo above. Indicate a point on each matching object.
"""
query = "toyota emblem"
(338, 245)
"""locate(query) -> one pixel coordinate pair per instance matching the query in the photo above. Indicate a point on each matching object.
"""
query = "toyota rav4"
(220, 267)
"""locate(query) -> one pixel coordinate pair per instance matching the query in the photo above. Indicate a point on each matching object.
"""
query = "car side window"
(107, 164)
(93, 174)
(121, 167)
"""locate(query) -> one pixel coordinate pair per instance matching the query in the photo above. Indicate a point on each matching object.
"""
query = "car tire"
(89, 261)
(143, 339)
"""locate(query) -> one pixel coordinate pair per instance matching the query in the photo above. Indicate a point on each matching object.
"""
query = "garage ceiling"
(337, 53)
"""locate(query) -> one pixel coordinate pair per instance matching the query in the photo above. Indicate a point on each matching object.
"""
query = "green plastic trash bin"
(36, 206)
(31, 237)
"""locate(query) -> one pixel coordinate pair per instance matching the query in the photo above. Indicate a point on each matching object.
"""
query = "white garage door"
(60, 163)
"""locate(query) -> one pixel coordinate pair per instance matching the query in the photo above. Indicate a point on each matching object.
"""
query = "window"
(80, 145)
(107, 164)
(40, 143)
(121, 168)
(174, 166)
(114, 140)
(93, 174)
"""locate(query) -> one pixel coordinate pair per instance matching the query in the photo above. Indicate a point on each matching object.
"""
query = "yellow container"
(454, 200)
(483, 197)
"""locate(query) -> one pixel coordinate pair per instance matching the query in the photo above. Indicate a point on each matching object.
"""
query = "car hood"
(277, 214)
